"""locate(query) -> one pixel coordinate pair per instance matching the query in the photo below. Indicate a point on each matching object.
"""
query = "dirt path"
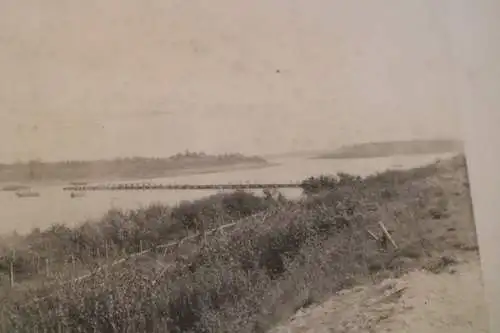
(421, 301)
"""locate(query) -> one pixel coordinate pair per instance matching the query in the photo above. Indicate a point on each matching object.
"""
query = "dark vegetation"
(391, 148)
(122, 232)
(292, 254)
(136, 167)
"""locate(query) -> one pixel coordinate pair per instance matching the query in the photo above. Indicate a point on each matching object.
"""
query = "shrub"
(119, 232)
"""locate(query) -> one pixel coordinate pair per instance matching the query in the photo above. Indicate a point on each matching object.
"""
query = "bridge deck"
(142, 187)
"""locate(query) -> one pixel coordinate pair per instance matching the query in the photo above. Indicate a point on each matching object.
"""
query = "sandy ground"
(449, 302)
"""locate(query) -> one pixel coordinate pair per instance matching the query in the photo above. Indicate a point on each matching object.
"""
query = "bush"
(120, 232)
(324, 183)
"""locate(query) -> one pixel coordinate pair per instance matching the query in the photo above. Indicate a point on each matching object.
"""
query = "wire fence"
(262, 216)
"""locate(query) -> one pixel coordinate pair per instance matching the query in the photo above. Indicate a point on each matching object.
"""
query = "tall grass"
(122, 232)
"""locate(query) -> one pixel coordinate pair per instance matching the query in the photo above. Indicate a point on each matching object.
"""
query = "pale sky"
(105, 78)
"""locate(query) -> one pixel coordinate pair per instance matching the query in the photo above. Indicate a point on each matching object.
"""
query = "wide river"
(55, 206)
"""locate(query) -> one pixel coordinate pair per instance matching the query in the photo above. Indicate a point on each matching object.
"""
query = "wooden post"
(372, 234)
(3, 323)
(33, 263)
(203, 235)
(11, 268)
(387, 234)
(140, 245)
(73, 265)
(47, 268)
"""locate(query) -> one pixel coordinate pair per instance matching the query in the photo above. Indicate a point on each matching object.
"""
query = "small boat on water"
(27, 194)
(78, 183)
(14, 188)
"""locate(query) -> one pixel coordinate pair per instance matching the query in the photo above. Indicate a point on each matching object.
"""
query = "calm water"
(55, 206)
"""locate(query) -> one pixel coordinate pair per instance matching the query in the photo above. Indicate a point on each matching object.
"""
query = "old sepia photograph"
(262, 166)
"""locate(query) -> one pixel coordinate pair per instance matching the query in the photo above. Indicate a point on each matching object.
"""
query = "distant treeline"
(133, 167)
(392, 148)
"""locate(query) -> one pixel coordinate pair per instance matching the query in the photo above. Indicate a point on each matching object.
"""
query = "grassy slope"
(391, 148)
(118, 233)
(262, 271)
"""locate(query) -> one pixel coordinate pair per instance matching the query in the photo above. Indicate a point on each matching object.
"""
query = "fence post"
(33, 262)
(47, 268)
(203, 233)
(11, 268)
(73, 265)
(106, 251)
